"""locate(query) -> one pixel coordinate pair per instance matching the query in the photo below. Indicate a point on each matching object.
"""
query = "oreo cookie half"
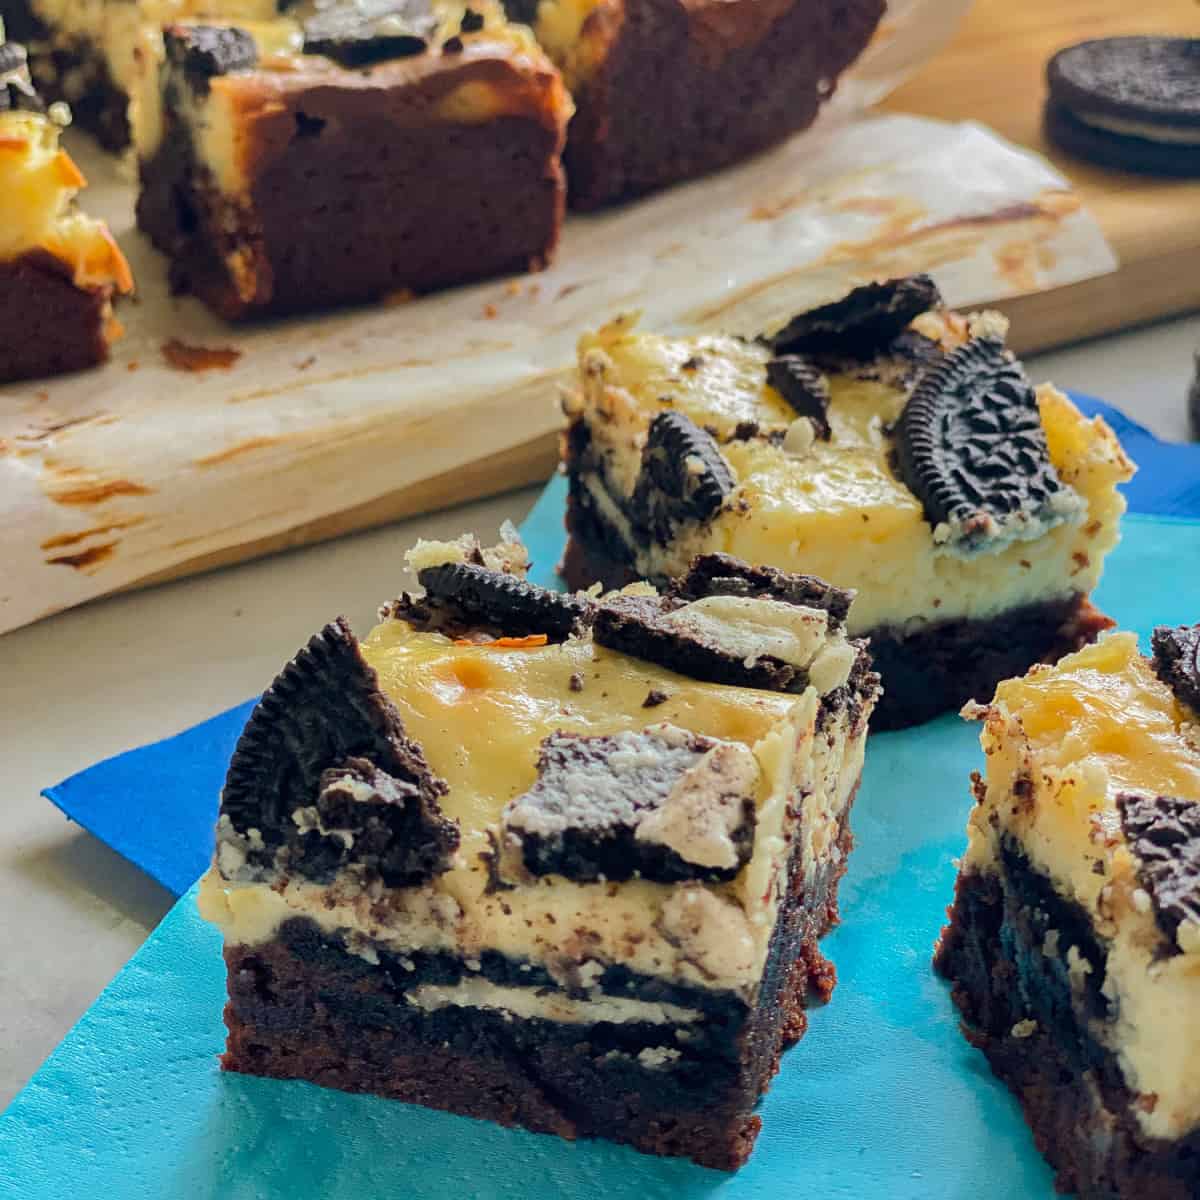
(1130, 102)
(1163, 834)
(323, 738)
(1177, 662)
(358, 33)
(476, 597)
(663, 803)
(970, 445)
(861, 324)
(804, 387)
(683, 479)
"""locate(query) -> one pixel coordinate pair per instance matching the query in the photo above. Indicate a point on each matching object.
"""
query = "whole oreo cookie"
(861, 324)
(970, 445)
(358, 33)
(1130, 102)
(683, 478)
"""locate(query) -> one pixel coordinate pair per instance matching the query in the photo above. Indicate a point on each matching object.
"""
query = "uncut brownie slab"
(59, 268)
(885, 443)
(374, 163)
(547, 860)
(1073, 946)
(666, 90)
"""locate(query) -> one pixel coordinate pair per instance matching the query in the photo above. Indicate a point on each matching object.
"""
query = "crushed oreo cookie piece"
(861, 324)
(16, 87)
(472, 21)
(382, 824)
(701, 640)
(683, 478)
(971, 447)
(359, 33)
(1177, 662)
(203, 52)
(663, 803)
(474, 597)
(325, 711)
(724, 575)
(655, 697)
(1163, 834)
(804, 388)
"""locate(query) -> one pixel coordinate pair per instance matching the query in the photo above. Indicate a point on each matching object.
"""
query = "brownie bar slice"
(667, 90)
(1073, 939)
(536, 877)
(363, 168)
(881, 441)
(59, 269)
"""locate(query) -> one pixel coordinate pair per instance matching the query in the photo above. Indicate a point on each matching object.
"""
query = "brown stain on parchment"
(95, 491)
(900, 247)
(85, 560)
(235, 451)
(58, 540)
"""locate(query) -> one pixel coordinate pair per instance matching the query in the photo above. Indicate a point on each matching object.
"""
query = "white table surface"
(90, 683)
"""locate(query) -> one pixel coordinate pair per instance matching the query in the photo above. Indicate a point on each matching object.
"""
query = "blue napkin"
(121, 800)
(882, 1098)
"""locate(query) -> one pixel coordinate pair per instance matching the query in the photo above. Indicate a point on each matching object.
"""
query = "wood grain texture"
(993, 72)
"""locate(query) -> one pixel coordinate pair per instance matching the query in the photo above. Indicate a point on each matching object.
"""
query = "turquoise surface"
(882, 1098)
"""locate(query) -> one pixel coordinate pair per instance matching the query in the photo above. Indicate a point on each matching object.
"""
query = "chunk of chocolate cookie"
(1129, 102)
(971, 446)
(1177, 662)
(861, 324)
(16, 86)
(325, 711)
(724, 575)
(1163, 834)
(662, 803)
(358, 33)
(475, 597)
(203, 52)
(740, 640)
(804, 387)
(683, 478)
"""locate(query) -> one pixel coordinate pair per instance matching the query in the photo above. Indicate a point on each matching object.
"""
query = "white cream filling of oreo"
(1147, 131)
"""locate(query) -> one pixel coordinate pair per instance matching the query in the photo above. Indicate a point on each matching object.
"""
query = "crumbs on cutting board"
(183, 357)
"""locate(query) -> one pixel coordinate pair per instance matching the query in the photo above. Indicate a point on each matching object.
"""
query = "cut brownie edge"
(1070, 1087)
(297, 1007)
(926, 672)
(49, 326)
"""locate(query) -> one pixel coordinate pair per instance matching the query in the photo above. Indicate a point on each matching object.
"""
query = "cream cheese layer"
(836, 508)
(38, 185)
(1098, 724)
(480, 712)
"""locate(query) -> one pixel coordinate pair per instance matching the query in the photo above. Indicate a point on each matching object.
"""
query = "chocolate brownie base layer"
(1070, 1086)
(432, 204)
(48, 326)
(301, 1007)
(686, 88)
(927, 672)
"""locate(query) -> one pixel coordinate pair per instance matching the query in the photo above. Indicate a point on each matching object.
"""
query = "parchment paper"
(117, 475)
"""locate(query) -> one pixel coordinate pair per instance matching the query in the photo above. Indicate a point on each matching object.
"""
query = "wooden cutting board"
(993, 72)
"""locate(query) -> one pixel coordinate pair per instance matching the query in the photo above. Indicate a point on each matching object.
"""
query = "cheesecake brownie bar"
(403, 153)
(59, 269)
(881, 441)
(666, 90)
(1073, 945)
(549, 860)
